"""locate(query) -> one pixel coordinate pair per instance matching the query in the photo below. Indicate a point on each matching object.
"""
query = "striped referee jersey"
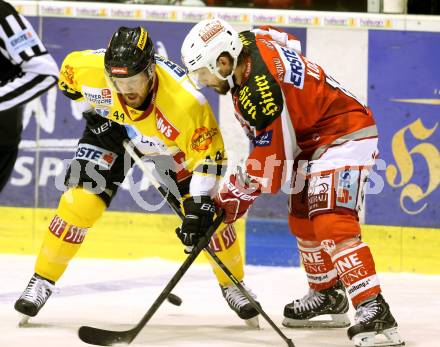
(26, 68)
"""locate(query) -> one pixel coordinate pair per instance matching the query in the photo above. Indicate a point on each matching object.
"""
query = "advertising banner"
(404, 93)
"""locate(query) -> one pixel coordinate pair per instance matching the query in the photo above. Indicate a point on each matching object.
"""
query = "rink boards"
(391, 62)
(124, 235)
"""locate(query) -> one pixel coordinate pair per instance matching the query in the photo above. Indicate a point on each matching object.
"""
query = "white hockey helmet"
(204, 44)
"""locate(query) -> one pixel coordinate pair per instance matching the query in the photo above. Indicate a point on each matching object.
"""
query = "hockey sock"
(318, 265)
(356, 269)
(77, 211)
(226, 246)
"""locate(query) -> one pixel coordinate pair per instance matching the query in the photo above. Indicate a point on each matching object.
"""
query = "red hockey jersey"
(288, 105)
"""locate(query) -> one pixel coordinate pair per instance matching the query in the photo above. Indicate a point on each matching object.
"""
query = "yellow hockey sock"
(77, 211)
(226, 246)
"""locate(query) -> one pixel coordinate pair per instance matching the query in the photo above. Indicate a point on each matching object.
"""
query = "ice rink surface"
(116, 294)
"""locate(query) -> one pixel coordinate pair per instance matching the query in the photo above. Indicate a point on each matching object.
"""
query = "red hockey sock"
(318, 265)
(356, 269)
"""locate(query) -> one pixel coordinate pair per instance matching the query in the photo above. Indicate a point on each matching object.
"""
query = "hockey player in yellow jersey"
(129, 92)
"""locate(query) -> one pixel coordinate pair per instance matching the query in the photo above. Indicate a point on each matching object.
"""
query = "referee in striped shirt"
(26, 71)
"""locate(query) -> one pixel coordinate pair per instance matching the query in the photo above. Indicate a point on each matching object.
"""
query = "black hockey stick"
(243, 291)
(102, 337)
(175, 205)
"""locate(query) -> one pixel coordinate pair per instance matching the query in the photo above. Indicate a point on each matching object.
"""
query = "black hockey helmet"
(129, 52)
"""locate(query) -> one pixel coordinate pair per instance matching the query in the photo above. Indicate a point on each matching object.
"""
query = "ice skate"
(375, 325)
(33, 298)
(241, 305)
(332, 301)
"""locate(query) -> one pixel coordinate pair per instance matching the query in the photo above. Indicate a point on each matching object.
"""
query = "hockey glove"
(199, 214)
(236, 197)
(110, 134)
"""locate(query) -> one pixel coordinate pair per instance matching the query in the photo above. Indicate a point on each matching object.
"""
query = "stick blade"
(101, 337)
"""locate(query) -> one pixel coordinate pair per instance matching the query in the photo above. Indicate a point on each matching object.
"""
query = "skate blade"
(253, 322)
(24, 320)
(336, 321)
(388, 337)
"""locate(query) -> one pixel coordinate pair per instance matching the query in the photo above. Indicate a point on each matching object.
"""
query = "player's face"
(205, 78)
(134, 89)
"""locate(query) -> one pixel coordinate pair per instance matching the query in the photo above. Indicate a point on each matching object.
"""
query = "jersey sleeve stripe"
(19, 19)
(72, 96)
(4, 52)
(28, 81)
(3, 37)
(24, 56)
(14, 25)
(39, 49)
(30, 90)
(6, 27)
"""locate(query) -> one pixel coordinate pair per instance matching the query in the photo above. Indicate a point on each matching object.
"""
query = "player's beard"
(136, 100)
(222, 87)
(133, 99)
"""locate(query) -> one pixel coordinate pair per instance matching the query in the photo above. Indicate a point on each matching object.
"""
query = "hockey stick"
(102, 337)
(243, 291)
(174, 204)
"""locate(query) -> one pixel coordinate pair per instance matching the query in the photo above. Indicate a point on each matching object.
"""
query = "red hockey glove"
(236, 197)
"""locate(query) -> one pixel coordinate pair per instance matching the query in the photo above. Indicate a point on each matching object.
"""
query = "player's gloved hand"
(110, 134)
(199, 214)
(236, 197)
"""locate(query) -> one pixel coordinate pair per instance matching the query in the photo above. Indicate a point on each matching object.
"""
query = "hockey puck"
(174, 299)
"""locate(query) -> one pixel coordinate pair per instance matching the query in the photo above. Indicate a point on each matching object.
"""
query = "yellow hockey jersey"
(178, 122)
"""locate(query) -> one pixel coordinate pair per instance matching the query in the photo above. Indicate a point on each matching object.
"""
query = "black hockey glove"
(199, 214)
(110, 134)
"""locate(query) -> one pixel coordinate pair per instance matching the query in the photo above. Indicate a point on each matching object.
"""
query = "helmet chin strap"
(230, 80)
(231, 77)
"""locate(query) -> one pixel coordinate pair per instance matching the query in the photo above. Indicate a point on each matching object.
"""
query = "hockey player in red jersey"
(300, 120)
